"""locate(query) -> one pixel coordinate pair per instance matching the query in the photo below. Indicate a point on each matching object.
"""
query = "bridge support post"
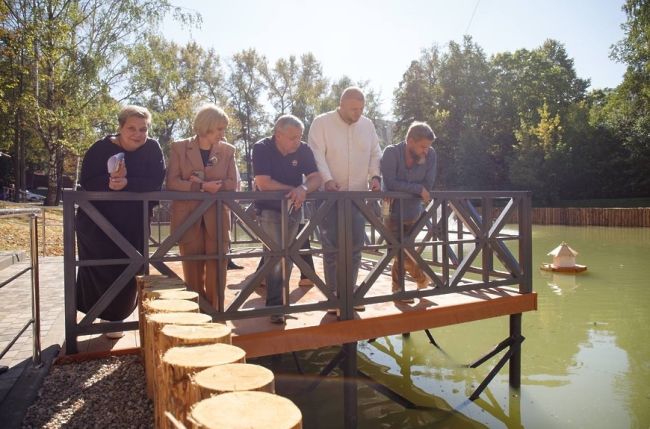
(515, 359)
(349, 366)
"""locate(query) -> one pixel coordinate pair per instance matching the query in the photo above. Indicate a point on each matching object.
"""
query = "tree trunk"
(60, 156)
(52, 176)
(19, 155)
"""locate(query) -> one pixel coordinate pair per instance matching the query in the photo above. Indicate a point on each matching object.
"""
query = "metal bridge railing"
(461, 242)
(35, 320)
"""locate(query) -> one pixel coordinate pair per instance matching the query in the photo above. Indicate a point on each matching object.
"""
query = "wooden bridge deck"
(315, 329)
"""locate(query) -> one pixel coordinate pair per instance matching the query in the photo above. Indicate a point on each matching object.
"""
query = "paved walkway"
(20, 383)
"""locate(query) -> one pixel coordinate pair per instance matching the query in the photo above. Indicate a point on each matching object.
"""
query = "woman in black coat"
(142, 169)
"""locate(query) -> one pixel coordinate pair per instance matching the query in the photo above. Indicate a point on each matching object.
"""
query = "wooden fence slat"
(590, 216)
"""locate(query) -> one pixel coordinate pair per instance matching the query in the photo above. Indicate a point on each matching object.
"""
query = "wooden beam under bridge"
(316, 329)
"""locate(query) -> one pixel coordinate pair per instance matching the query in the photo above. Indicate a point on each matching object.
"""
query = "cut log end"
(206, 333)
(169, 306)
(203, 356)
(246, 410)
(233, 377)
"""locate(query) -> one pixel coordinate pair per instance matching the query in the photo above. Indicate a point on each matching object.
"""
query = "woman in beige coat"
(202, 163)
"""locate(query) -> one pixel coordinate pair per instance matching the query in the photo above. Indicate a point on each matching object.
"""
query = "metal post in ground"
(36, 310)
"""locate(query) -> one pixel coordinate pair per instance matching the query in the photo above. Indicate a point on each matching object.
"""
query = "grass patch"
(14, 231)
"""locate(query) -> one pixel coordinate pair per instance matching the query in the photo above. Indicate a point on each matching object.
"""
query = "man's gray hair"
(288, 121)
(420, 130)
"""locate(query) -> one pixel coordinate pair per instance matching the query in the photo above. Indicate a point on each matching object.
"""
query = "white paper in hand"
(114, 161)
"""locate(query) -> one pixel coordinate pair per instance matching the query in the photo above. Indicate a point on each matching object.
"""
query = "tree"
(452, 92)
(466, 93)
(371, 110)
(245, 87)
(296, 87)
(539, 156)
(311, 87)
(171, 80)
(73, 54)
(282, 82)
(627, 112)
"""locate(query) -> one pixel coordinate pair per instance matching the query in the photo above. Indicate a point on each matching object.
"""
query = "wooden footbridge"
(478, 260)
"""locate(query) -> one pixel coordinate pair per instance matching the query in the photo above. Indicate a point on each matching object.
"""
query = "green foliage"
(521, 119)
(627, 110)
(64, 58)
(171, 80)
(524, 120)
(245, 87)
(296, 87)
(540, 156)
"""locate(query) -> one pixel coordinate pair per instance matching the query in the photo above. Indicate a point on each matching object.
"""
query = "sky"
(376, 40)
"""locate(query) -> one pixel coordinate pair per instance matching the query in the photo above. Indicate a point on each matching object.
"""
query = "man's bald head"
(353, 93)
(351, 104)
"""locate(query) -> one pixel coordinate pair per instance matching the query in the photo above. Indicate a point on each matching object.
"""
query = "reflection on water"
(585, 362)
(561, 283)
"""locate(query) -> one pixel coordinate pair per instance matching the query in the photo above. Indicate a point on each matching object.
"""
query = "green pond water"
(585, 360)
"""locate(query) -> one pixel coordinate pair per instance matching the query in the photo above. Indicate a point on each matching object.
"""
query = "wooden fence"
(590, 216)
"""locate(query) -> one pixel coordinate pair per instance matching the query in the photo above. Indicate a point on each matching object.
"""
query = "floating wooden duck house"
(564, 260)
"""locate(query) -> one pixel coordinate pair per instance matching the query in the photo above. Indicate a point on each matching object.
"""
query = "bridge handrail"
(472, 211)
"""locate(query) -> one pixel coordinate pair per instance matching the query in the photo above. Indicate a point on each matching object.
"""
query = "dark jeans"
(270, 222)
(329, 238)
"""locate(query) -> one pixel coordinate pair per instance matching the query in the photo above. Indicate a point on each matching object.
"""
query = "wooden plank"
(269, 342)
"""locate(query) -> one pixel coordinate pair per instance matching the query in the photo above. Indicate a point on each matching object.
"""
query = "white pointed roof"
(563, 250)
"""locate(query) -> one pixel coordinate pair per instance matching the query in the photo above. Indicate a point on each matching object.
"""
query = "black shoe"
(232, 266)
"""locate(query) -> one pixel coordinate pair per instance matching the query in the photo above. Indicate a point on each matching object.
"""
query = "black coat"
(145, 173)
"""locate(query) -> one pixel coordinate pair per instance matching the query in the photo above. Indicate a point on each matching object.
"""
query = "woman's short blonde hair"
(207, 117)
(132, 110)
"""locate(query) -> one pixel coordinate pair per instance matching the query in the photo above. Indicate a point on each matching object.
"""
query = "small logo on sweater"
(294, 163)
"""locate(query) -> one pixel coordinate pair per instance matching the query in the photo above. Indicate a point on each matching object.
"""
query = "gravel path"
(105, 393)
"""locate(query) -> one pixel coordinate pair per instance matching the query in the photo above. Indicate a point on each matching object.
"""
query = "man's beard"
(416, 158)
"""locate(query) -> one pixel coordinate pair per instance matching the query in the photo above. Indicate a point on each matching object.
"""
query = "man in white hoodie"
(347, 152)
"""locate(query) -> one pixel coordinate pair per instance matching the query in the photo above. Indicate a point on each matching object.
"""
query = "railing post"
(284, 244)
(146, 221)
(343, 273)
(487, 258)
(525, 243)
(444, 239)
(221, 259)
(36, 310)
(69, 271)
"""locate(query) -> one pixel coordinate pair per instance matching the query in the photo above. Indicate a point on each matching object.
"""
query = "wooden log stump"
(232, 377)
(149, 283)
(183, 335)
(154, 322)
(179, 363)
(186, 295)
(251, 410)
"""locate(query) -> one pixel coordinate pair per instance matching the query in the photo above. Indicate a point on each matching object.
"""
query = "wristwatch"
(201, 187)
(303, 186)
